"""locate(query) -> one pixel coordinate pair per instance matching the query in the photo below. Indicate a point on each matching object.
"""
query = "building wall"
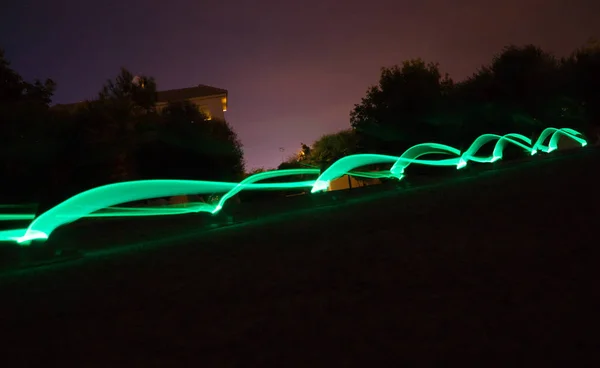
(566, 143)
(342, 183)
(212, 106)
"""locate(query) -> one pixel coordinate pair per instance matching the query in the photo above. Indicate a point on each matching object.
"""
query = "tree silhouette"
(332, 147)
(134, 92)
(186, 145)
(582, 75)
(27, 143)
(393, 114)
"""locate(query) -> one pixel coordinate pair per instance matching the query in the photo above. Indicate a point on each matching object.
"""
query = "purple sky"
(294, 69)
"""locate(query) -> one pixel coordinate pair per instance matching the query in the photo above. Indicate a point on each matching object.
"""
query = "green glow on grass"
(103, 201)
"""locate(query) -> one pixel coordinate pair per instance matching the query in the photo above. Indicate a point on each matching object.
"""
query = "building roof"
(186, 93)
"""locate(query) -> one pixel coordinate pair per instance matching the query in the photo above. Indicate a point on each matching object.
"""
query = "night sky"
(294, 69)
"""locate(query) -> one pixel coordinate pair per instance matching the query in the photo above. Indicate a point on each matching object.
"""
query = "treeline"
(50, 153)
(523, 90)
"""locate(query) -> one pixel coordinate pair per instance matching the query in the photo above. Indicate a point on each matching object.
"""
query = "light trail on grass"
(103, 201)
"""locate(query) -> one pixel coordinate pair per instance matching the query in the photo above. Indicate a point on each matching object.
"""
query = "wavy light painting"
(103, 201)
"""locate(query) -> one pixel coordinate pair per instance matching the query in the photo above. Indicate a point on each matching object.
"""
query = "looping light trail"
(102, 201)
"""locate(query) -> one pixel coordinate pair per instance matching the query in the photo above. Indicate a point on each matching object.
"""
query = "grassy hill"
(489, 264)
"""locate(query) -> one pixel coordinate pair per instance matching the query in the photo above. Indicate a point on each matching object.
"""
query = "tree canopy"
(187, 145)
(26, 139)
(524, 89)
(121, 136)
(396, 110)
(332, 147)
(52, 153)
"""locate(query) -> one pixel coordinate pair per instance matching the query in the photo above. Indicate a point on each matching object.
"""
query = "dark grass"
(500, 265)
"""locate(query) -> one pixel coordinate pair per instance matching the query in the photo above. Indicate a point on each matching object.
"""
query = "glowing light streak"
(101, 201)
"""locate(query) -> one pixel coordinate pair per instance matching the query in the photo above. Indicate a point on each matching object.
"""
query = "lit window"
(206, 113)
(224, 103)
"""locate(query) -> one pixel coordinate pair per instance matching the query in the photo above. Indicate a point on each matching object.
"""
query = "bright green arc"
(101, 201)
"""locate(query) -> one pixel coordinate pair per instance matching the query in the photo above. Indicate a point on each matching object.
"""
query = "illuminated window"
(224, 103)
(206, 112)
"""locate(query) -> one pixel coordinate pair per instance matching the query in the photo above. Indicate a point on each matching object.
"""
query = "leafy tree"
(27, 145)
(113, 127)
(522, 90)
(393, 114)
(524, 76)
(304, 152)
(186, 145)
(332, 147)
(134, 92)
(255, 171)
(292, 163)
(16, 91)
(582, 78)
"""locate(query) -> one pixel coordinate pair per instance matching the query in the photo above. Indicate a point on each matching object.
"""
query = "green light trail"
(103, 201)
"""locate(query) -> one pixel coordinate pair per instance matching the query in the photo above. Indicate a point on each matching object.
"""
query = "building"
(349, 182)
(211, 101)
